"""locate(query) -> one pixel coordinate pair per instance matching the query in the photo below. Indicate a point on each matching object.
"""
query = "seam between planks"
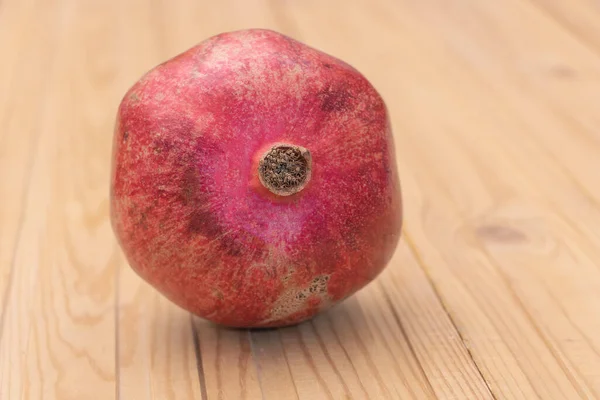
(256, 364)
(422, 264)
(484, 79)
(287, 363)
(344, 350)
(199, 365)
(534, 324)
(398, 321)
(544, 337)
(506, 283)
(117, 312)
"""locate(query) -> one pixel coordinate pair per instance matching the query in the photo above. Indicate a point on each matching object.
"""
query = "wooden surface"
(494, 292)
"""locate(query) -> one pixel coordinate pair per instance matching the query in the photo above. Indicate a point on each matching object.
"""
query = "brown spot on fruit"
(144, 220)
(206, 224)
(294, 300)
(188, 186)
(501, 234)
(133, 97)
(202, 222)
(335, 99)
(230, 245)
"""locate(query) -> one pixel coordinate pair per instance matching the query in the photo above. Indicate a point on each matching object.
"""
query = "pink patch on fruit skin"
(187, 205)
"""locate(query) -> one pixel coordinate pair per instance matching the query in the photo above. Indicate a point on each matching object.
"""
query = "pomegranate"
(254, 180)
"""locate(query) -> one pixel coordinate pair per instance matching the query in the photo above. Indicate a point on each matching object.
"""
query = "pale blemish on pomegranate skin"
(187, 206)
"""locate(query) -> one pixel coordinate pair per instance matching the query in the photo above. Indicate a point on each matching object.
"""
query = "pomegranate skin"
(187, 205)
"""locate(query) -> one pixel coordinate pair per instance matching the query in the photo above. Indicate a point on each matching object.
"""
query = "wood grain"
(493, 293)
(59, 321)
(19, 69)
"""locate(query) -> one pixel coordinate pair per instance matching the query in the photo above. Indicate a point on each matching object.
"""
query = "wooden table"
(494, 292)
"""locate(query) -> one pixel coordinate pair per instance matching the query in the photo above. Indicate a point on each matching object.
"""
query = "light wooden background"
(494, 292)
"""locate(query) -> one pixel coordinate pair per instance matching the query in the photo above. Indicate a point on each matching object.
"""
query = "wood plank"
(522, 232)
(22, 68)
(59, 320)
(156, 352)
(481, 118)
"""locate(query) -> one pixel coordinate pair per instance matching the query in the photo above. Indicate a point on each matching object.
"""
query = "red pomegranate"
(254, 180)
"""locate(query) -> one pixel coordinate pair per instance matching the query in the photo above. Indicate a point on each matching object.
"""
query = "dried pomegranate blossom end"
(285, 169)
